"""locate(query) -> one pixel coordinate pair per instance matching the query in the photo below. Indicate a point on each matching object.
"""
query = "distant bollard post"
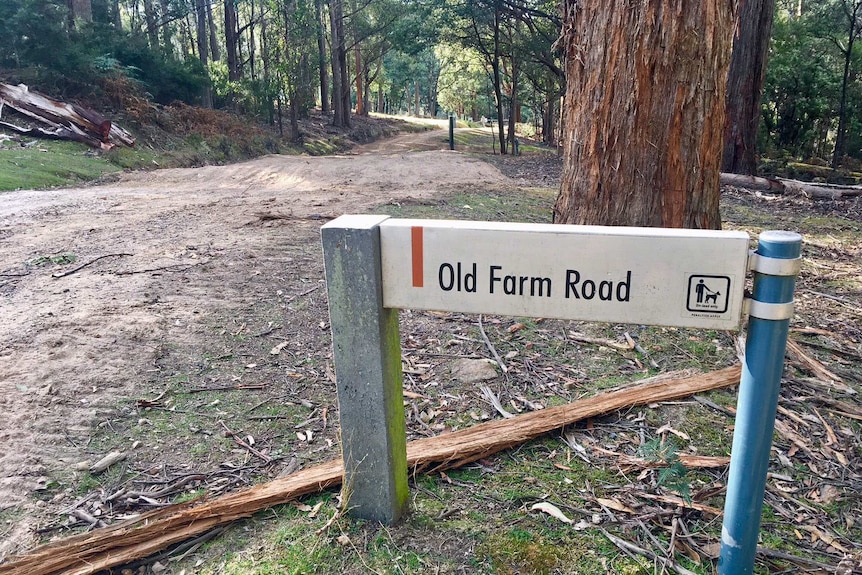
(775, 266)
(451, 131)
(367, 354)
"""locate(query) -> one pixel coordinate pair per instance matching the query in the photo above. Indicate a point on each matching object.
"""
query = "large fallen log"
(61, 117)
(58, 133)
(781, 186)
(154, 531)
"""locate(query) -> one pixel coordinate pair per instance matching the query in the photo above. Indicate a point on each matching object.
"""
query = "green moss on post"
(367, 353)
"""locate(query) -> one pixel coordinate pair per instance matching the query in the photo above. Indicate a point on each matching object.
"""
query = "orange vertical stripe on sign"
(418, 263)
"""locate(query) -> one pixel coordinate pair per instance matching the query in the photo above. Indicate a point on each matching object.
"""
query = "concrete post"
(367, 353)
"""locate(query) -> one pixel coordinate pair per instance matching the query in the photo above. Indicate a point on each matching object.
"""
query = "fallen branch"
(491, 347)
(170, 268)
(801, 359)
(689, 461)
(244, 444)
(601, 341)
(82, 266)
(247, 386)
(89, 553)
(664, 561)
(789, 187)
(492, 398)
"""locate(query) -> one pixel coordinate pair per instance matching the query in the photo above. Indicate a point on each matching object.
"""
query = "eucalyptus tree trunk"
(203, 49)
(80, 10)
(644, 111)
(360, 78)
(152, 27)
(321, 56)
(214, 47)
(498, 92)
(231, 37)
(167, 31)
(201, 28)
(745, 86)
(116, 16)
(514, 104)
(340, 83)
(252, 49)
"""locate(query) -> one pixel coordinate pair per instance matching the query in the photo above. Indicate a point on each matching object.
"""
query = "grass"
(49, 163)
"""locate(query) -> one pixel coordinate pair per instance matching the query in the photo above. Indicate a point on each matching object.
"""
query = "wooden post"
(367, 353)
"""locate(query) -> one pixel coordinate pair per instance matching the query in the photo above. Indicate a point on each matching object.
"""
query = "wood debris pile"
(63, 121)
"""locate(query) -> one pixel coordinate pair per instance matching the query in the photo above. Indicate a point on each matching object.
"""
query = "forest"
(274, 60)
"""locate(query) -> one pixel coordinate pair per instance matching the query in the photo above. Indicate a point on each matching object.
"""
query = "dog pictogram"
(708, 293)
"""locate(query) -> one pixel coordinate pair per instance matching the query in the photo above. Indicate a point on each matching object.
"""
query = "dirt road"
(171, 250)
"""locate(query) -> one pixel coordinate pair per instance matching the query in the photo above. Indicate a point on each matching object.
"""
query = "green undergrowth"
(46, 163)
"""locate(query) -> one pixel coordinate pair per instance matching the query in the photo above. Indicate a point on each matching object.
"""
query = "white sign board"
(653, 276)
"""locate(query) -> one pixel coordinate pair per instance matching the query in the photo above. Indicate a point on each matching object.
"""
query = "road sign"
(685, 278)
(689, 278)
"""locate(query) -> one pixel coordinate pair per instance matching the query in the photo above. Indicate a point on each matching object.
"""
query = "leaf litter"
(812, 498)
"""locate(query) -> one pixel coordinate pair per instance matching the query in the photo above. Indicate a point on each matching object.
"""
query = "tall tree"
(151, 20)
(80, 10)
(745, 86)
(340, 82)
(231, 36)
(321, 55)
(203, 48)
(214, 47)
(851, 10)
(644, 111)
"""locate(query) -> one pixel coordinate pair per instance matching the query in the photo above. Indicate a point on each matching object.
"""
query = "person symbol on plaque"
(700, 289)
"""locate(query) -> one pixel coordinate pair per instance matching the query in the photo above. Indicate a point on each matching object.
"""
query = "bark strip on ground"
(118, 544)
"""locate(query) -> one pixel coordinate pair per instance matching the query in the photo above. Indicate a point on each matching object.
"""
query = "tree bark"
(167, 31)
(514, 105)
(152, 28)
(340, 83)
(203, 49)
(498, 92)
(644, 112)
(321, 56)
(67, 121)
(745, 86)
(231, 36)
(252, 48)
(116, 16)
(780, 186)
(201, 27)
(81, 10)
(360, 91)
(214, 48)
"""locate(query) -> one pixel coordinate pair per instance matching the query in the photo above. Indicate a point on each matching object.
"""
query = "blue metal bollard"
(776, 266)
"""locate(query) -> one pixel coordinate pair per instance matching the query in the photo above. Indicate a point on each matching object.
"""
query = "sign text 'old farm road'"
(686, 278)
